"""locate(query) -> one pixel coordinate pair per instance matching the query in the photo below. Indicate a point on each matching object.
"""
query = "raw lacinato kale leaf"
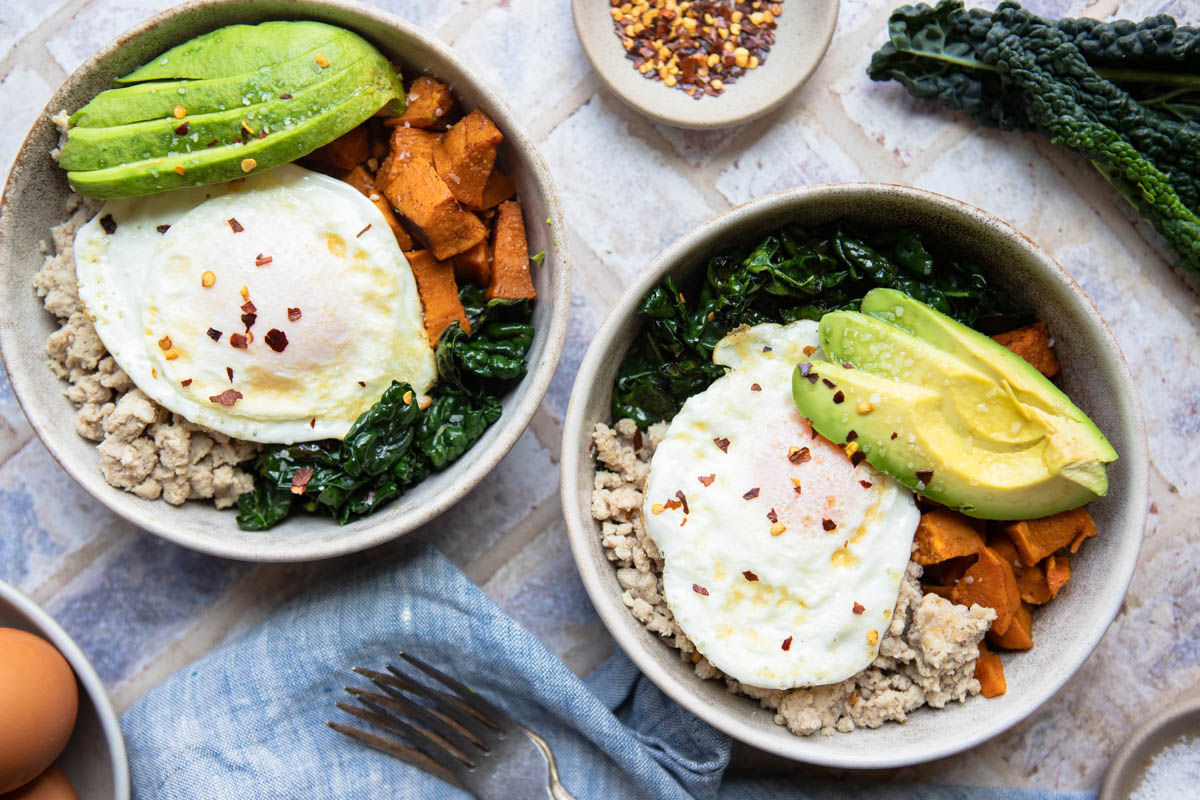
(791, 274)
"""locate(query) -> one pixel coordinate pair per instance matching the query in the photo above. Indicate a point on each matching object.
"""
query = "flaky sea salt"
(1173, 773)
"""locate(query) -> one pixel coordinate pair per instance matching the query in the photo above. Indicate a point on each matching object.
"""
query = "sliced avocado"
(942, 427)
(986, 355)
(157, 99)
(237, 49)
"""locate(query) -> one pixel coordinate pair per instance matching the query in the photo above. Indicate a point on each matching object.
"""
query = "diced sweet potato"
(405, 143)
(415, 190)
(944, 534)
(948, 572)
(1019, 635)
(1037, 538)
(465, 155)
(990, 582)
(990, 673)
(1031, 581)
(428, 102)
(499, 188)
(360, 179)
(510, 256)
(1058, 572)
(1032, 343)
(439, 293)
(343, 152)
(475, 265)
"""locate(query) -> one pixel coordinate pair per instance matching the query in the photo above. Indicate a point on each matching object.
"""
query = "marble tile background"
(141, 608)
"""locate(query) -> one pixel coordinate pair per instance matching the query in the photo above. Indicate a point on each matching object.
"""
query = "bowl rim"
(581, 530)
(1129, 763)
(49, 629)
(528, 394)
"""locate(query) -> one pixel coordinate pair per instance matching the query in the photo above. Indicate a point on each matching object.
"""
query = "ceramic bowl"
(803, 34)
(1178, 723)
(1094, 375)
(94, 759)
(36, 194)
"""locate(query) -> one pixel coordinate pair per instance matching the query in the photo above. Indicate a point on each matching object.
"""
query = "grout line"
(73, 564)
(30, 50)
(545, 514)
(547, 429)
(541, 128)
(451, 29)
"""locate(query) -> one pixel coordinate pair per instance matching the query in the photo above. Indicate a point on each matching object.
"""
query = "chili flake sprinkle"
(698, 589)
(108, 224)
(799, 455)
(261, 261)
(787, 643)
(249, 319)
(285, 96)
(229, 372)
(829, 383)
(839, 396)
(364, 230)
(179, 112)
(697, 47)
(851, 435)
(828, 524)
(722, 444)
(754, 387)
(924, 476)
(162, 228)
(865, 484)
(750, 495)
(276, 340)
(186, 382)
(683, 501)
(638, 441)
(796, 485)
(858, 609)
(300, 479)
(227, 397)
(207, 278)
(293, 314)
(248, 164)
(214, 334)
(238, 340)
(750, 576)
(248, 307)
(771, 515)
(180, 169)
(707, 480)
(235, 225)
(182, 129)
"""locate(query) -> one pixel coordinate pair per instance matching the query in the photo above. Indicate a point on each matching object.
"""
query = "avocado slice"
(943, 427)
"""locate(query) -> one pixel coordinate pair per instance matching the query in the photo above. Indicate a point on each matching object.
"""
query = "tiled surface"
(142, 608)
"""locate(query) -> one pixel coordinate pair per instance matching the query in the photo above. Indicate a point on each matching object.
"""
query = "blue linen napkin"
(247, 720)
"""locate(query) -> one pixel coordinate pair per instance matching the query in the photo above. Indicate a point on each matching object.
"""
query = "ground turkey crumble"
(927, 656)
(144, 448)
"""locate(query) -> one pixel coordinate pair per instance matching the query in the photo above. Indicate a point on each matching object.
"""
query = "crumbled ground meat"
(927, 656)
(144, 449)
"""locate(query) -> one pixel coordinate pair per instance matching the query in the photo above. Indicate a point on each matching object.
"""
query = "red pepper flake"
(851, 436)
(238, 340)
(293, 314)
(214, 143)
(750, 576)
(249, 308)
(248, 320)
(312, 423)
(182, 129)
(276, 340)
(828, 524)
(847, 365)
(672, 504)
(754, 387)
(799, 455)
(839, 396)
(285, 96)
(235, 225)
(227, 397)
(924, 476)
(364, 230)
(750, 495)
(894, 434)
(214, 334)
(362, 383)
(229, 372)
(707, 480)
(698, 589)
(858, 457)
(300, 479)
(637, 439)
(162, 228)
(771, 515)
(683, 501)
(829, 383)
(683, 522)
(865, 484)
(722, 443)
(261, 261)
(108, 224)
(186, 382)
(787, 643)
(812, 376)
(766, 348)
(804, 368)
(859, 609)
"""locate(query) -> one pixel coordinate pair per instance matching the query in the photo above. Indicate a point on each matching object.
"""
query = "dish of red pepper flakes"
(696, 47)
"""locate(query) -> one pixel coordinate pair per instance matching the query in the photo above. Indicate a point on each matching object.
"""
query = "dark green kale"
(395, 444)
(1124, 95)
(791, 274)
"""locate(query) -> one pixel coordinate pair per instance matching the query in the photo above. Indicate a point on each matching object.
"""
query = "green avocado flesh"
(954, 416)
(127, 142)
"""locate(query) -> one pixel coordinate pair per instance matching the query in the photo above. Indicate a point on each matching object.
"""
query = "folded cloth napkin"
(247, 720)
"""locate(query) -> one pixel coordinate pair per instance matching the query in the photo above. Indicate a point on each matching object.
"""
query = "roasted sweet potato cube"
(360, 179)
(475, 265)
(1032, 343)
(949, 571)
(1037, 538)
(944, 534)
(343, 152)
(1019, 635)
(1031, 581)
(428, 102)
(439, 293)
(990, 583)
(990, 673)
(1058, 572)
(415, 190)
(406, 143)
(499, 188)
(510, 256)
(465, 155)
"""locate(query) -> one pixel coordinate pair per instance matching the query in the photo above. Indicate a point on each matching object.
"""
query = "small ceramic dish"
(805, 29)
(1128, 768)
(1094, 375)
(34, 201)
(94, 760)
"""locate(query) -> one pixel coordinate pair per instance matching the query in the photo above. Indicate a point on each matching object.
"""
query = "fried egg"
(274, 309)
(783, 557)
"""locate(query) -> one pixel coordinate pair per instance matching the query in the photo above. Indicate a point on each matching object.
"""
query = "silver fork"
(460, 737)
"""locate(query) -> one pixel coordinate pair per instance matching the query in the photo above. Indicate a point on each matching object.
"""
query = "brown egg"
(50, 785)
(38, 703)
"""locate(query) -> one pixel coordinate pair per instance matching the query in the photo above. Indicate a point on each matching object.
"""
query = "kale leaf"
(791, 274)
(494, 350)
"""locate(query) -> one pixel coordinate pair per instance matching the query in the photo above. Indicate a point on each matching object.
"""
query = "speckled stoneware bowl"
(803, 34)
(94, 759)
(1178, 723)
(1094, 375)
(34, 200)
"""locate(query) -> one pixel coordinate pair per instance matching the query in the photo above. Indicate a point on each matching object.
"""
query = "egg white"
(329, 253)
(741, 592)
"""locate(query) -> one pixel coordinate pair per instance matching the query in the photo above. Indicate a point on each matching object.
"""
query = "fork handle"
(557, 790)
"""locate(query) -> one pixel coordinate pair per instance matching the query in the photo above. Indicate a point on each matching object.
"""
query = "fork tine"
(432, 745)
(489, 713)
(431, 720)
(406, 754)
(445, 703)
